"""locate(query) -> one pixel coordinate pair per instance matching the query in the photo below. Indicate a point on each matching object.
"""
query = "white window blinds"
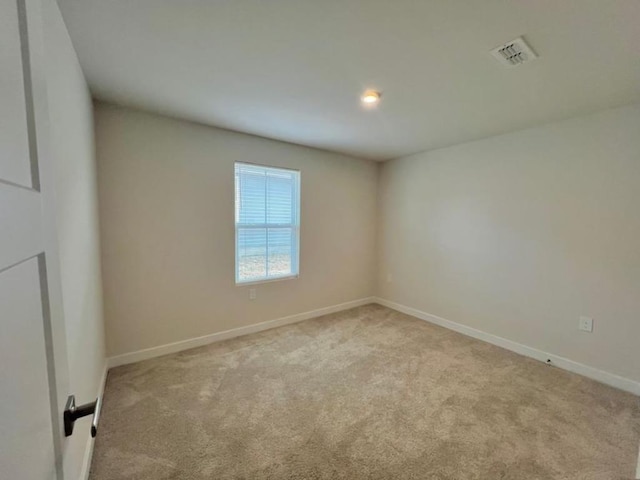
(267, 222)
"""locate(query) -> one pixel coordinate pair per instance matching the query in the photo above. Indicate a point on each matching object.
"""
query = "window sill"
(266, 280)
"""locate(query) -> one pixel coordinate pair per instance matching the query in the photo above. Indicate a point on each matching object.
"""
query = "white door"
(33, 361)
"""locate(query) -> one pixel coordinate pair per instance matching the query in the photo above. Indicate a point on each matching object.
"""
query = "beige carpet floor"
(364, 394)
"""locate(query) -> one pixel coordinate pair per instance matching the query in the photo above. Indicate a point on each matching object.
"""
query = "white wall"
(71, 129)
(518, 235)
(167, 222)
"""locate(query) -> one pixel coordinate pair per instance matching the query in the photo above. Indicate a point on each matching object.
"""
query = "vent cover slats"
(514, 53)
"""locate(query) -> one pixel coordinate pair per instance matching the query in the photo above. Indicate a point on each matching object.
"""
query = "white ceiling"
(293, 70)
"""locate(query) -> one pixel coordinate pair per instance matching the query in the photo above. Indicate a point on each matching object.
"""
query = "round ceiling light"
(371, 97)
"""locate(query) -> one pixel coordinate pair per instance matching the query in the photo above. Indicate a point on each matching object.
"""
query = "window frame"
(295, 245)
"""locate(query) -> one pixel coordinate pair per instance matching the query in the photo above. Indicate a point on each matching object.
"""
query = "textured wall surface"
(167, 221)
(521, 234)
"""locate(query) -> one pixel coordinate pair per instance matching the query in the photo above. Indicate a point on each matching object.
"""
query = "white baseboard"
(158, 351)
(88, 452)
(561, 362)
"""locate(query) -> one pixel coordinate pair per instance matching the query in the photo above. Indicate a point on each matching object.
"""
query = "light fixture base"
(371, 97)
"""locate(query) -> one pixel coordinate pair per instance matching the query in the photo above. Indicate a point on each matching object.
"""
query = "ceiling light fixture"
(371, 97)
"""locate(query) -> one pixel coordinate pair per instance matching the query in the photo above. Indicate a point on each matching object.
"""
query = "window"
(267, 222)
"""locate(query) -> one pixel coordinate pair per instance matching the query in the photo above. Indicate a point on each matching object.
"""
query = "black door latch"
(73, 412)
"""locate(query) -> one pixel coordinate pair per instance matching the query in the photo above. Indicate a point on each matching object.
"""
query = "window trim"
(267, 280)
(295, 259)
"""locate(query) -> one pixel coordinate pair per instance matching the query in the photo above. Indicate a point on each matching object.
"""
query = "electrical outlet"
(252, 294)
(586, 324)
(389, 278)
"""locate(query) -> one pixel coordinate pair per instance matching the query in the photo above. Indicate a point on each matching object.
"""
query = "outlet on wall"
(389, 278)
(252, 294)
(586, 324)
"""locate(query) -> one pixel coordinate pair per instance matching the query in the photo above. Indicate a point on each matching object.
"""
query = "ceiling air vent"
(514, 53)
